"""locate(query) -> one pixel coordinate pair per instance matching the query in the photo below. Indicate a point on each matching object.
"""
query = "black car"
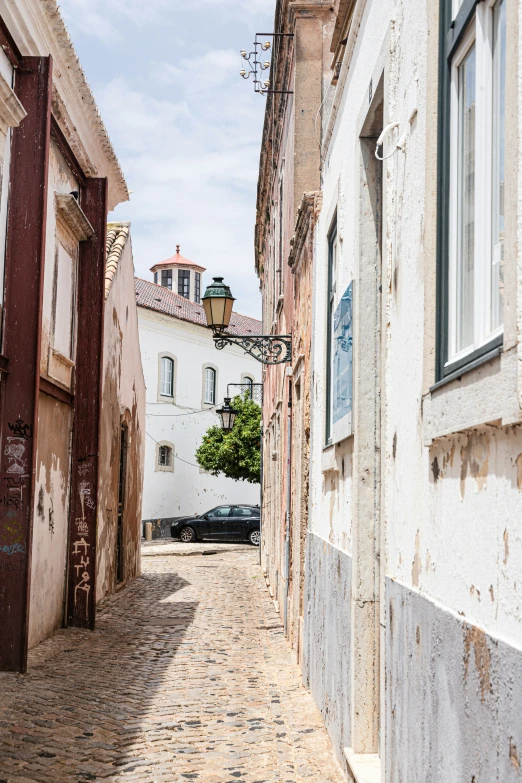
(222, 523)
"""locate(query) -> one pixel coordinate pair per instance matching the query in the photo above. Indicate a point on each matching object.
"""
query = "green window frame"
(470, 234)
(330, 312)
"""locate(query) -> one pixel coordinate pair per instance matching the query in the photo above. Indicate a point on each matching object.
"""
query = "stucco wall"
(327, 648)
(123, 402)
(454, 696)
(186, 490)
(449, 536)
(55, 421)
(51, 518)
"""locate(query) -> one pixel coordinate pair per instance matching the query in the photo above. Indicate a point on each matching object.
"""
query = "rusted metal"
(81, 598)
(25, 257)
(68, 154)
(9, 46)
(53, 390)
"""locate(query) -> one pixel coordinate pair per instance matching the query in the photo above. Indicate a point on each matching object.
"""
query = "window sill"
(480, 394)
(365, 767)
(328, 461)
(452, 375)
(164, 469)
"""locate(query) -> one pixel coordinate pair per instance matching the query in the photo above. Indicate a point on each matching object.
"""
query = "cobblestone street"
(187, 677)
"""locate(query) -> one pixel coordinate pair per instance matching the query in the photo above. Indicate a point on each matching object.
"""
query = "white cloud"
(185, 126)
(99, 18)
(192, 164)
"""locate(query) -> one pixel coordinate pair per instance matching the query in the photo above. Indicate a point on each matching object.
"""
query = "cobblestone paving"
(171, 546)
(187, 677)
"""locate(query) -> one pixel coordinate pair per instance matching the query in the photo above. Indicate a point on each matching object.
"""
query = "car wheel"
(255, 537)
(188, 535)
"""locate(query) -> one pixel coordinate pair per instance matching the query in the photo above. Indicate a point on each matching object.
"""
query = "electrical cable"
(380, 141)
(174, 453)
(175, 415)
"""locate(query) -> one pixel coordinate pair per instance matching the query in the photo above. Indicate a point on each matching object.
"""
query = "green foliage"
(236, 454)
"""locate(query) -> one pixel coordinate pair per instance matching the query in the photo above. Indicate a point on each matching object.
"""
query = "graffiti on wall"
(82, 554)
(14, 490)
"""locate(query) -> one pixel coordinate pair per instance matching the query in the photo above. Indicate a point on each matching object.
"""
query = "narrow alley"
(187, 676)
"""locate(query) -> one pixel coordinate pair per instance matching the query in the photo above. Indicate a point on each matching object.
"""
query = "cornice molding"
(355, 23)
(38, 29)
(73, 216)
(307, 215)
(313, 9)
(11, 110)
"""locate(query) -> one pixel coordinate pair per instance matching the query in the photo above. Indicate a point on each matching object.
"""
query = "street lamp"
(227, 414)
(217, 303)
(267, 349)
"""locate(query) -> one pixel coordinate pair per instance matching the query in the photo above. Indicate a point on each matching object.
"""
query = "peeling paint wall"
(123, 403)
(327, 645)
(454, 696)
(51, 519)
(55, 422)
(448, 548)
(473, 501)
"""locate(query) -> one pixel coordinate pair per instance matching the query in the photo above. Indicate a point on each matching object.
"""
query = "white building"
(186, 380)
(409, 628)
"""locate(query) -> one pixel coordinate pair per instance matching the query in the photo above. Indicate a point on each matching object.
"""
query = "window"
(64, 301)
(242, 511)
(332, 282)
(197, 287)
(471, 182)
(165, 456)
(156, 277)
(210, 385)
(280, 239)
(249, 383)
(220, 511)
(166, 278)
(184, 283)
(167, 376)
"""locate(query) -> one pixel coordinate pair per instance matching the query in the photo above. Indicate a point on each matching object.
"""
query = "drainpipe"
(288, 503)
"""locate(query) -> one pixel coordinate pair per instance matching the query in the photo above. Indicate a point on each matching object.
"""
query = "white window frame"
(206, 387)
(170, 360)
(480, 32)
(164, 468)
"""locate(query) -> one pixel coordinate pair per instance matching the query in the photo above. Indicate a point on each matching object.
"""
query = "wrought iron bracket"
(256, 65)
(267, 349)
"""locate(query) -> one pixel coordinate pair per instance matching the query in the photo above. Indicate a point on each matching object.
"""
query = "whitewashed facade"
(186, 379)
(409, 632)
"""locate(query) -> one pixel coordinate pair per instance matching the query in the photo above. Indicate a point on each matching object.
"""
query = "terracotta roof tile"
(177, 260)
(117, 236)
(161, 299)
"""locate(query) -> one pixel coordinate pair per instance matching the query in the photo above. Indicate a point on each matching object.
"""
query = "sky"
(185, 127)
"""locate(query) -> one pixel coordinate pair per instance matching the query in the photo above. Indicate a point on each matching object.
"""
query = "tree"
(236, 454)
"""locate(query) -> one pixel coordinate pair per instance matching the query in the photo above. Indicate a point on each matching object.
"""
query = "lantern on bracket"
(227, 414)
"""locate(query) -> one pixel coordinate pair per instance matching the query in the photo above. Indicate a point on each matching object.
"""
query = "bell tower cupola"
(180, 275)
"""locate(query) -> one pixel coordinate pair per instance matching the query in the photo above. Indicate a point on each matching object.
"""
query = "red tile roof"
(177, 260)
(163, 300)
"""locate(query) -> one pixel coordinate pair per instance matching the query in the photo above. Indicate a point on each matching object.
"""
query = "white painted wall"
(331, 492)
(186, 490)
(456, 540)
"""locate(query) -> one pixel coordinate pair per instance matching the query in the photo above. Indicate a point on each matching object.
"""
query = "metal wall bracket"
(267, 349)
(256, 65)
